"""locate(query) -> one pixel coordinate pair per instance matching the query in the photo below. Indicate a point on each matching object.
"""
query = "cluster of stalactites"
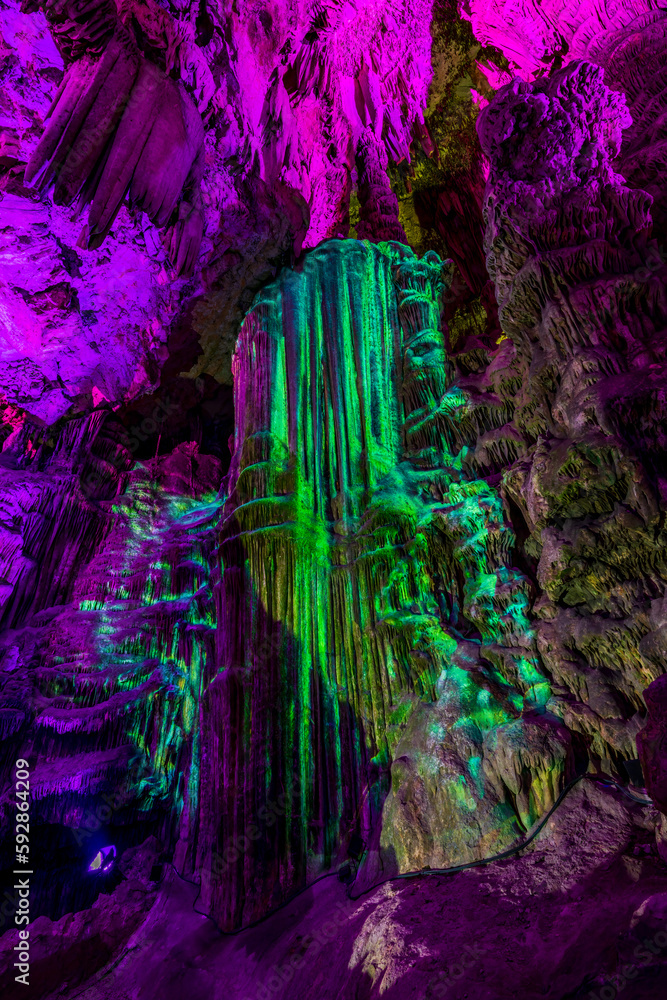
(120, 126)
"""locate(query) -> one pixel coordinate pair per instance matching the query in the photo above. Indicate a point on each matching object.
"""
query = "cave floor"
(583, 903)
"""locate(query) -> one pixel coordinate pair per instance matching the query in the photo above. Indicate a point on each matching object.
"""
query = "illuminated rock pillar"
(364, 572)
(306, 673)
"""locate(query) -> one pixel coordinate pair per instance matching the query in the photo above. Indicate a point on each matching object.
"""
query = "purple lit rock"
(652, 742)
(116, 107)
(566, 243)
(626, 39)
(565, 917)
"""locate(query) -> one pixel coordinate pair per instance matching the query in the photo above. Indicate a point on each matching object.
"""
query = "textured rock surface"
(626, 38)
(378, 216)
(120, 126)
(566, 918)
(567, 246)
(285, 93)
(76, 327)
(397, 584)
(429, 589)
(107, 618)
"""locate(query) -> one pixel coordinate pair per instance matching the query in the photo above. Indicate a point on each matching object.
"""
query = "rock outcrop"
(419, 620)
(568, 245)
(627, 40)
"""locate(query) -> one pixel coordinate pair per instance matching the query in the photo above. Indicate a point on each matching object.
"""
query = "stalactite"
(120, 126)
(378, 203)
(107, 658)
(430, 591)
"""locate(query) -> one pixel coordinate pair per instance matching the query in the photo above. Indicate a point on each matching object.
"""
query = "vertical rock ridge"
(568, 244)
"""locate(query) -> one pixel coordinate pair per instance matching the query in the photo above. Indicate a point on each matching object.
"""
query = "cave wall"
(430, 588)
(626, 39)
(580, 285)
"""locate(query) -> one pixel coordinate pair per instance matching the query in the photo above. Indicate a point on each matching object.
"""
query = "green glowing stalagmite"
(373, 633)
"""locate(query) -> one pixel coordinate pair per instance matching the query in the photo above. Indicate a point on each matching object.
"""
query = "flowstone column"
(365, 576)
(295, 715)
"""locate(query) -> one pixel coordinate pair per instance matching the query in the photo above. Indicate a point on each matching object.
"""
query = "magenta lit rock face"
(626, 38)
(534, 33)
(286, 95)
(77, 327)
(119, 126)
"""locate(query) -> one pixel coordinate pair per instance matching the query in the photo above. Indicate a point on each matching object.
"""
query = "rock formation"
(398, 621)
(568, 248)
(378, 204)
(627, 40)
(119, 126)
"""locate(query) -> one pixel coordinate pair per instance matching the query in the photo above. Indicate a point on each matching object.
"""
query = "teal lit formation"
(152, 630)
(366, 590)
(342, 632)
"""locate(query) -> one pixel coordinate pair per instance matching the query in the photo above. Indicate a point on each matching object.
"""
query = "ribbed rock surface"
(107, 619)
(581, 292)
(119, 126)
(366, 661)
(76, 327)
(365, 573)
(378, 216)
(235, 146)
